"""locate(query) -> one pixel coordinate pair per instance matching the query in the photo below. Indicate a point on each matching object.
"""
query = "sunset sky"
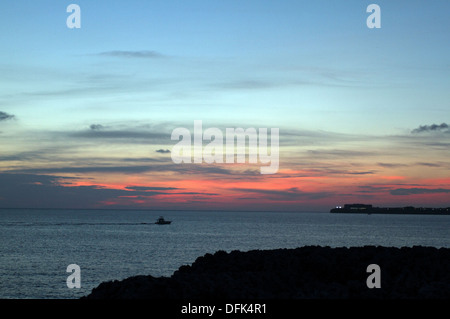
(86, 115)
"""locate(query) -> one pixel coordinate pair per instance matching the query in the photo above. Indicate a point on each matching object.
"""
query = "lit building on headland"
(369, 209)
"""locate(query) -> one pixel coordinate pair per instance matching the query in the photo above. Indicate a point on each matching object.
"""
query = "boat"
(162, 221)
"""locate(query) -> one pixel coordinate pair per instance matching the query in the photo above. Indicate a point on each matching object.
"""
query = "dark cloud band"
(431, 128)
(5, 116)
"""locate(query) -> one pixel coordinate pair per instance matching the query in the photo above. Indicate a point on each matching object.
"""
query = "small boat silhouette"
(162, 221)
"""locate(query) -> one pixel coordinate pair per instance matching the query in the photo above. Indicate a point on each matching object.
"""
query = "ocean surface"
(36, 246)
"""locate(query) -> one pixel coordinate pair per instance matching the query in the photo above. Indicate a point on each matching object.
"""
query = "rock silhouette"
(310, 272)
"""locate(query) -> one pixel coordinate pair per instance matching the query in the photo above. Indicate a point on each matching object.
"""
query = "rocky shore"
(310, 272)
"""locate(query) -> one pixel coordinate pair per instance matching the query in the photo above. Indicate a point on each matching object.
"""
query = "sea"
(37, 246)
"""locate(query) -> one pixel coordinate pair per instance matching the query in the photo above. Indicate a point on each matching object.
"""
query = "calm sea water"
(36, 246)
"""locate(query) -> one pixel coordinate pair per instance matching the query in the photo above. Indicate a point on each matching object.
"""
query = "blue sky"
(313, 58)
(311, 66)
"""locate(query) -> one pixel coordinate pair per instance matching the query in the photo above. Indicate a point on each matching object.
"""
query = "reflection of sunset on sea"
(86, 114)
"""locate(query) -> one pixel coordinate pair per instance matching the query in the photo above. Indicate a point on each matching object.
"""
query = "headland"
(369, 209)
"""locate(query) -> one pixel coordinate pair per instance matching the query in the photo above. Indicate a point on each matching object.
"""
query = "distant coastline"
(408, 210)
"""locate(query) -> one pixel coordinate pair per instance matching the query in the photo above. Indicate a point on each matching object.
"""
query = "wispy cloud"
(391, 165)
(285, 195)
(53, 191)
(133, 54)
(340, 153)
(246, 85)
(432, 128)
(5, 116)
(369, 189)
(137, 169)
(145, 188)
(415, 191)
(96, 127)
(138, 136)
(430, 164)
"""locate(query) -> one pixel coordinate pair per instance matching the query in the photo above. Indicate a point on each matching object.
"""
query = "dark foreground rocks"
(309, 272)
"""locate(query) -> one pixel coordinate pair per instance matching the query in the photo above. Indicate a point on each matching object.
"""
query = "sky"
(86, 114)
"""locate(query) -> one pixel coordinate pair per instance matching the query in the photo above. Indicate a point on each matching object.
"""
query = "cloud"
(133, 54)
(144, 188)
(391, 165)
(53, 191)
(95, 127)
(369, 189)
(416, 191)
(5, 116)
(285, 195)
(137, 136)
(25, 156)
(162, 151)
(135, 169)
(331, 171)
(431, 128)
(339, 153)
(45, 191)
(145, 160)
(361, 173)
(113, 133)
(246, 85)
(430, 164)
(310, 77)
(89, 169)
